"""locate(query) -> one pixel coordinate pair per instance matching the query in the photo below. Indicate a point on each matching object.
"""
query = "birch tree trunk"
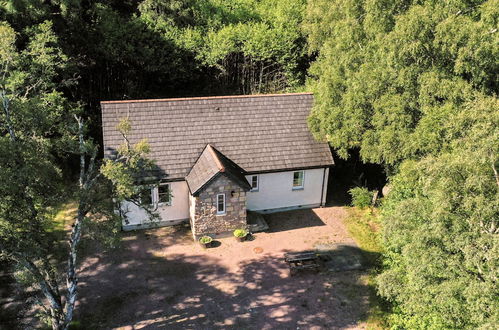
(86, 180)
(59, 306)
(43, 274)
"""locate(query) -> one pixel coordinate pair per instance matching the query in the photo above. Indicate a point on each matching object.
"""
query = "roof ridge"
(204, 98)
(220, 166)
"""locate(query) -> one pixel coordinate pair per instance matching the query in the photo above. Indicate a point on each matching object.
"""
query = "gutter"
(290, 169)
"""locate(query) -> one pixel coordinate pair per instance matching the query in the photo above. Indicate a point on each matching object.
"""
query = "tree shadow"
(147, 290)
(277, 300)
(10, 307)
(170, 235)
(140, 284)
(289, 220)
(344, 257)
(136, 286)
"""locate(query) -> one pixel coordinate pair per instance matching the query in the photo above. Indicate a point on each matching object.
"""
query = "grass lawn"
(63, 217)
(364, 227)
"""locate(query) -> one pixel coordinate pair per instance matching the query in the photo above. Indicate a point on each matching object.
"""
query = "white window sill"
(221, 213)
(298, 188)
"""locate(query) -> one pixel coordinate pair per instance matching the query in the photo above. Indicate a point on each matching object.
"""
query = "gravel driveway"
(160, 278)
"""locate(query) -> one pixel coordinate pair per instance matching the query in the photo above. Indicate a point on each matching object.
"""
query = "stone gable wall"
(205, 220)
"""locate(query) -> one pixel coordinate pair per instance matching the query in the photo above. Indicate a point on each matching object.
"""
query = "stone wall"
(206, 221)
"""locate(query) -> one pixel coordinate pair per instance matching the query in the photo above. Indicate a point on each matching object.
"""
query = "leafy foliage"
(256, 46)
(240, 233)
(413, 85)
(31, 112)
(205, 239)
(35, 127)
(361, 197)
(389, 73)
(440, 229)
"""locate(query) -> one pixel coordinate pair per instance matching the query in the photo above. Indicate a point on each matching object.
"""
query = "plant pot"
(205, 245)
(205, 241)
(241, 239)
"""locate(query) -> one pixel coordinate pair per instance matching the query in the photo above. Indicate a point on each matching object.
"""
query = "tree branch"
(8, 121)
(81, 144)
(496, 175)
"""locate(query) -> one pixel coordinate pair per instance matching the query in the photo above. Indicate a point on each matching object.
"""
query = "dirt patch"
(161, 278)
(258, 250)
(373, 226)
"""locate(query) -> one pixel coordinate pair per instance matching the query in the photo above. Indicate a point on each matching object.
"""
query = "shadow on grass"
(364, 227)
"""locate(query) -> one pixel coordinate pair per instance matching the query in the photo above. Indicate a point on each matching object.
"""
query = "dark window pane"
(146, 196)
(298, 179)
(164, 194)
(254, 182)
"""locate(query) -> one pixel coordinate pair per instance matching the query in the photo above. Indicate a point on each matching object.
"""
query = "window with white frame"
(254, 182)
(157, 195)
(163, 195)
(298, 178)
(221, 204)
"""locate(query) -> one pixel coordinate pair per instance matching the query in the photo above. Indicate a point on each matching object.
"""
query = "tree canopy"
(39, 130)
(253, 46)
(441, 231)
(389, 73)
(413, 85)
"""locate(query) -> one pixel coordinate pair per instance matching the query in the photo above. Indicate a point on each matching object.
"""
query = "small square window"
(221, 204)
(298, 180)
(164, 195)
(254, 183)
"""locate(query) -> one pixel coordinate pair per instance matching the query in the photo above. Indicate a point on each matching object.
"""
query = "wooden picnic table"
(302, 261)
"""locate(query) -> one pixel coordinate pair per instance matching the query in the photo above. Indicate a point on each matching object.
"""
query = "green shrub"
(205, 240)
(240, 232)
(361, 197)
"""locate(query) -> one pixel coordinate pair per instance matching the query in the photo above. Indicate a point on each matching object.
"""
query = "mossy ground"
(364, 227)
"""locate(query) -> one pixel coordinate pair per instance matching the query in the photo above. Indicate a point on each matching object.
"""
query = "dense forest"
(409, 85)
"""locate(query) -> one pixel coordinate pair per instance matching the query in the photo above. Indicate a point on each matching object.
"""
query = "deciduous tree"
(34, 127)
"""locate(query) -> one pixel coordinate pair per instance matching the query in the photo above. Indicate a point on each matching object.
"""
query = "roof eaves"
(203, 98)
(221, 168)
(196, 193)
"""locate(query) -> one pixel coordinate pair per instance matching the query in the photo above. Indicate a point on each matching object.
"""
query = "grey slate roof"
(209, 165)
(258, 132)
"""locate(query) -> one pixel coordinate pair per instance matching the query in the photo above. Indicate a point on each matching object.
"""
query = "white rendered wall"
(275, 190)
(178, 210)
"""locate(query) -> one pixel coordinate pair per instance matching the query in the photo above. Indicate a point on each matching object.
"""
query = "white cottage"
(218, 157)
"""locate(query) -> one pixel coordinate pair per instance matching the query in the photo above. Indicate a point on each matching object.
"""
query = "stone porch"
(204, 218)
